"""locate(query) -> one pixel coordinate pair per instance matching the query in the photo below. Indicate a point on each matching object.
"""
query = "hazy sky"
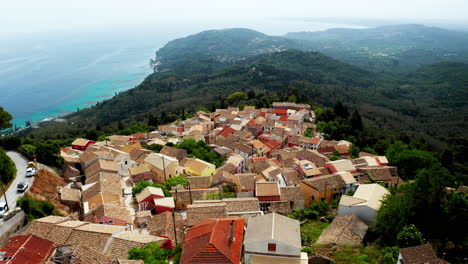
(43, 15)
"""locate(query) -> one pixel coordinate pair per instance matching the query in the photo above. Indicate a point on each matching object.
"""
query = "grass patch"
(349, 254)
(311, 230)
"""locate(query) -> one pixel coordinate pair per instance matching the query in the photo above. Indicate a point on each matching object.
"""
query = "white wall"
(262, 247)
(364, 212)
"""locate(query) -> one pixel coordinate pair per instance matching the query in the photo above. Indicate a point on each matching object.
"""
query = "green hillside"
(427, 102)
(224, 46)
(395, 49)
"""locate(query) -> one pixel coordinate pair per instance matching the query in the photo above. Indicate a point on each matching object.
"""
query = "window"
(101, 222)
(264, 207)
(126, 162)
(110, 222)
(271, 247)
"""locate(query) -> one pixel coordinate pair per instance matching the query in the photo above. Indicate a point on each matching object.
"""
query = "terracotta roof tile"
(423, 254)
(210, 241)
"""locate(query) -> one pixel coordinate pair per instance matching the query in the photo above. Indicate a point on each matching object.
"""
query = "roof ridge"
(342, 230)
(273, 226)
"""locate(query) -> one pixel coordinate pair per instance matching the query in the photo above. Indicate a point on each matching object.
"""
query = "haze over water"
(51, 74)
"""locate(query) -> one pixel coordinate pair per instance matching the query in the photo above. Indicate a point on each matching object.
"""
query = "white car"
(30, 172)
(3, 208)
(22, 186)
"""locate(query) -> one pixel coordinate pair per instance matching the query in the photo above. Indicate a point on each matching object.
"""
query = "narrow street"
(21, 164)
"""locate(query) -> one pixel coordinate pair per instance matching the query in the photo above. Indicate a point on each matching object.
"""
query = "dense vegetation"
(139, 186)
(396, 48)
(419, 103)
(7, 168)
(35, 209)
(200, 150)
(153, 253)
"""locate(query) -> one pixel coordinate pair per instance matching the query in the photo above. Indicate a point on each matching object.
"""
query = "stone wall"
(9, 227)
(280, 207)
(199, 212)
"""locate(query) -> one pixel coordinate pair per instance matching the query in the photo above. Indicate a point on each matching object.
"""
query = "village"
(267, 164)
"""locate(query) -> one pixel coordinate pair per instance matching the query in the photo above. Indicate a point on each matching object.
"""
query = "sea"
(51, 74)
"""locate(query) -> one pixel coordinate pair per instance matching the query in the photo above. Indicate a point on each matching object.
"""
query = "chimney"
(231, 237)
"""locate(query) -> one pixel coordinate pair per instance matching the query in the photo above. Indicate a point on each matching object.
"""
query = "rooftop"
(273, 227)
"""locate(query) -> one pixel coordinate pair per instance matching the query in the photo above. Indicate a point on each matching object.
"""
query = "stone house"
(344, 230)
(123, 242)
(202, 210)
(140, 173)
(94, 236)
(163, 167)
(163, 225)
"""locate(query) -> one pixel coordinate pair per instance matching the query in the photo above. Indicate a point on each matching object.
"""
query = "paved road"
(21, 164)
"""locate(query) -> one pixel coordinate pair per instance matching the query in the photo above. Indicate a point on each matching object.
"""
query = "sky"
(47, 15)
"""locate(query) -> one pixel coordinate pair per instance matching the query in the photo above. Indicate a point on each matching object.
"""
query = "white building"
(273, 238)
(365, 202)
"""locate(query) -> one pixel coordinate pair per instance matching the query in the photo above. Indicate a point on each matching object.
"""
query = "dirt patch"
(46, 186)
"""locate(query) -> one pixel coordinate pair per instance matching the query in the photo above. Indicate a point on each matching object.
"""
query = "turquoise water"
(52, 74)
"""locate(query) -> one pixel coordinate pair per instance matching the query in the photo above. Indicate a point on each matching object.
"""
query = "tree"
(236, 97)
(153, 253)
(35, 209)
(5, 119)
(340, 110)
(354, 150)
(356, 121)
(174, 181)
(47, 154)
(153, 120)
(155, 147)
(409, 236)
(409, 160)
(251, 94)
(139, 186)
(7, 167)
(389, 255)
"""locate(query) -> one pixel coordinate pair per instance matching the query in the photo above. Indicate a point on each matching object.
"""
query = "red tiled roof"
(257, 159)
(272, 144)
(226, 131)
(262, 114)
(210, 241)
(251, 122)
(26, 249)
(283, 118)
(281, 111)
(138, 135)
(315, 140)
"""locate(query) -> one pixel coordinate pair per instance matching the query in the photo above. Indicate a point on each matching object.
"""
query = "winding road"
(21, 164)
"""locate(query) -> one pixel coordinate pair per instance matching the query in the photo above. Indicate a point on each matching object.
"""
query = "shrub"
(139, 186)
(35, 209)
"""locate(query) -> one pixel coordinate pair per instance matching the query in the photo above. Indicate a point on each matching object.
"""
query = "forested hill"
(427, 102)
(397, 48)
(226, 46)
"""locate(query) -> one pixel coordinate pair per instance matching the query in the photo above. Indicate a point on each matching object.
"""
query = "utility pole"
(326, 183)
(164, 167)
(174, 223)
(190, 191)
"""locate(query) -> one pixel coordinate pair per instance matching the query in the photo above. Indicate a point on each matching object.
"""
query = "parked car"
(31, 164)
(22, 186)
(3, 208)
(30, 172)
